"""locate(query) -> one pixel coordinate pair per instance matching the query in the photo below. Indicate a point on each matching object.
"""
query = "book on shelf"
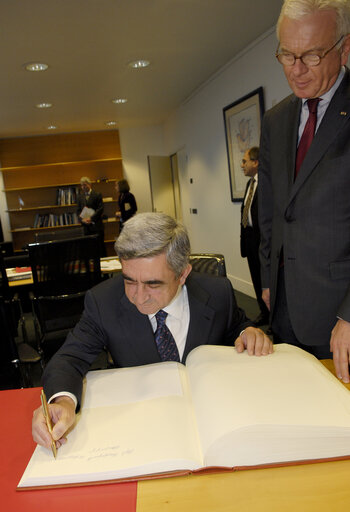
(18, 273)
(66, 196)
(223, 410)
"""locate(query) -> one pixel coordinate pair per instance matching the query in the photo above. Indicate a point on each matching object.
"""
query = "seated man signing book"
(155, 310)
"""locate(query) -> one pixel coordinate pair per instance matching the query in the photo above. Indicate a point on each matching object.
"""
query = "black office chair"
(20, 355)
(208, 263)
(12, 374)
(63, 270)
(12, 303)
(63, 234)
(6, 249)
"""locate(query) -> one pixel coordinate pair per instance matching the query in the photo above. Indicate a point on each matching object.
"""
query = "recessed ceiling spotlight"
(137, 64)
(36, 66)
(43, 105)
(119, 101)
(52, 127)
(111, 123)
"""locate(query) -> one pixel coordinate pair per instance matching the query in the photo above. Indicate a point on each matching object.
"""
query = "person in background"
(304, 184)
(250, 233)
(155, 310)
(90, 212)
(126, 202)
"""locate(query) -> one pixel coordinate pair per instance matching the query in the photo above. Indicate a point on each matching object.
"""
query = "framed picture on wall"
(242, 129)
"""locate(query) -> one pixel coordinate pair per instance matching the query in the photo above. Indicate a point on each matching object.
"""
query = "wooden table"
(323, 487)
(109, 265)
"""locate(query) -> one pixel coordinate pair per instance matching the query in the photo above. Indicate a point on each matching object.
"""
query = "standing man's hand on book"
(340, 346)
(62, 414)
(255, 342)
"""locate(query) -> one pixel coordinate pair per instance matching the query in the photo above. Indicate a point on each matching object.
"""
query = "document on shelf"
(223, 410)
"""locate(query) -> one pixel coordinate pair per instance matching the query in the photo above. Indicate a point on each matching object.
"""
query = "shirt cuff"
(64, 393)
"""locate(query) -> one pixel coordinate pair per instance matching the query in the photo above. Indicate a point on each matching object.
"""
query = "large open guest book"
(223, 410)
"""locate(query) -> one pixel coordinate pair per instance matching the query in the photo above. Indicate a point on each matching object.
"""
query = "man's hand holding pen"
(62, 415)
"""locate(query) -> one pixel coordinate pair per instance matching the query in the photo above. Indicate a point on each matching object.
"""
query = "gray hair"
(149, 234)
(85, 179)
(296, 9)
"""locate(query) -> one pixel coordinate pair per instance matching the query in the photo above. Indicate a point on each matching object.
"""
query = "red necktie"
(308, 133)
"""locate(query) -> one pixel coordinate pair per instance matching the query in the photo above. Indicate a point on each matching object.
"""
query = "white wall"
(198, 127)
(136, 144)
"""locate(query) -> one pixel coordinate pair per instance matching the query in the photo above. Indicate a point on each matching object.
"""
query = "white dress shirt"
(178, 319)
(321, 107)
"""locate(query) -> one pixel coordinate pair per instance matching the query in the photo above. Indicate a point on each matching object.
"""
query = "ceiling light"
(43, 105)
(111, 123)
(36, 66)
(137, 64)
(52, 127)
(118, 101)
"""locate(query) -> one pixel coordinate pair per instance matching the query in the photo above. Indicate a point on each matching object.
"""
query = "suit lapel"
(201, 317)
(336, 116)
(292, 137)
(138, 332)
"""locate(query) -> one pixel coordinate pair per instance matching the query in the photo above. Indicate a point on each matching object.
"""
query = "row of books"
(51, 220)
(67, 195)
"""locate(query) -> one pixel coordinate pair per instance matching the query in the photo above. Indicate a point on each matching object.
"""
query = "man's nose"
(141, 294)
(299, 67)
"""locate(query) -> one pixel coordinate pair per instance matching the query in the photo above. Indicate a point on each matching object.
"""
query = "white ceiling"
(88, 44)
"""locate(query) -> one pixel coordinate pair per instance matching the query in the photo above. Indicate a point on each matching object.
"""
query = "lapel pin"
(343, 113)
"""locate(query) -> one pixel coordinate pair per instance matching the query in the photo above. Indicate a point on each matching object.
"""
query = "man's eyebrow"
(150, 281)
(128, 278)
(311, 50)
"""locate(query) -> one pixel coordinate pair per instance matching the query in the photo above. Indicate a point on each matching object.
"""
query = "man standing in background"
(250, 233)
(90, 211)
(304, 184)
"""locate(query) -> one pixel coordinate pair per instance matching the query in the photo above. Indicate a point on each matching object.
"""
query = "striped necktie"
(248, 203)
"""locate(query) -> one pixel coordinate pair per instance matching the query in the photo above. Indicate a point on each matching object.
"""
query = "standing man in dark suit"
(250, 233)
(304, 184)
(155, 310)
(90, 211)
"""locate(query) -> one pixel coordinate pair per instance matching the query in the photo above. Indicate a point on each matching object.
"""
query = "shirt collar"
(327, 96)
(175, 308)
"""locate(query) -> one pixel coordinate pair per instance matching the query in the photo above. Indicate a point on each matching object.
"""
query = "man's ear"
(185, 273)
(345, 50)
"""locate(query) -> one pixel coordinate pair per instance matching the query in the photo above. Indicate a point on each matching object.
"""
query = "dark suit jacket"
(127, 206)
(94, 201)
(110, 320)
(308, 217)
(255, 221)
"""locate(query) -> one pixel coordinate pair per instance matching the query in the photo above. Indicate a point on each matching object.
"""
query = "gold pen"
(48, 421)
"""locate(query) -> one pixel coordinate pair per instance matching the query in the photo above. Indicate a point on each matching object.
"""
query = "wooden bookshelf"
(34, 168)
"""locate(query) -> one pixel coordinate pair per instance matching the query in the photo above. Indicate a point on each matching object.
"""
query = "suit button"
(289, 218)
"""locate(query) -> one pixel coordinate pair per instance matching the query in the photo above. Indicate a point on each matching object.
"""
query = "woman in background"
(126, 202)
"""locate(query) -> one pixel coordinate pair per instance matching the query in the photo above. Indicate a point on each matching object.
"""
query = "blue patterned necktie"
(165, 342)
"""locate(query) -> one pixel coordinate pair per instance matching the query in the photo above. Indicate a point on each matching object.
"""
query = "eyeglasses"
(309, 59)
